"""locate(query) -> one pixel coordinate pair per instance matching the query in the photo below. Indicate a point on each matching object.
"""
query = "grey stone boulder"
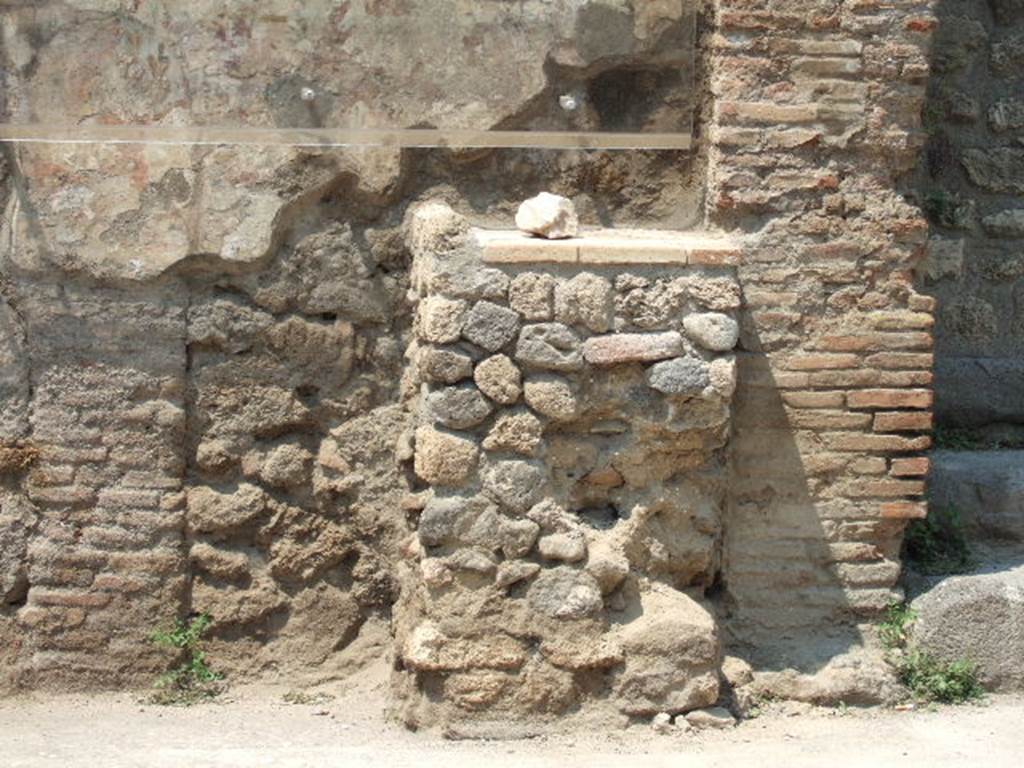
(517, 537)
(490, 325)
(1009, 223)
(976, 391)
(515, 483)
(458, 519)
(681, 376)
(672, 653)
(985, 487)
(978, 617)
(444, 366)
(461, 407)
(712, 717)
(549, 345)
(565, 593)
(712, 330)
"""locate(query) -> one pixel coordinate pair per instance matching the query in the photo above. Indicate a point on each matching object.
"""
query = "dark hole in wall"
(17, 595)
(628, 99)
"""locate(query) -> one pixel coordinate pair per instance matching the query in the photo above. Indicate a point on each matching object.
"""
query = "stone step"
(979, 617)
(979, 391)
(985, 487)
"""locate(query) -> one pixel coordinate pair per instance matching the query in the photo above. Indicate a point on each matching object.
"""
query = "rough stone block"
(979, 391)
(441, 319)
(516, 484)
(490, 326)
(517, 431)
(985, 487)
(979, 617)
(499, 379)
(585, 300)
(551, 346)
(672, 652)
(461, 407)
(531, 294)
(553, 397)
(444, 366)
(564, 593)
(712, 330)
(444, 459)
(681, 376)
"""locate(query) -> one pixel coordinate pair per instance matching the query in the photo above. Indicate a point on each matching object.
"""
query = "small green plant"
(928, 679)
(894, 631)
(931, 680)
(937, 545)
(192, 679)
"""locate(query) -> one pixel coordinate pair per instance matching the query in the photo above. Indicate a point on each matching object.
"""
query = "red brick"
(871, 342)
(904, 510)
(877, 488)
(869, 465)
(890, 398)
(860, 377)
(903, 421)
(901, 360)
(906, 379)
(821, 362)
(70, 598)
(856, 441)
(715, 258)
(916, 467)
(820, 419)
(814, 399)
(901, 321)
(922, 303)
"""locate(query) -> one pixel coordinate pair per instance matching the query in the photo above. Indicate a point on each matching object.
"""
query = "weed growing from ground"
(192, 680)
(937, 545)
(927, 678)
(894, 631)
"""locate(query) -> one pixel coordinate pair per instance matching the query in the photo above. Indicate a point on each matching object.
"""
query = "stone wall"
(573, 409)
(248, 382)
(971, 183)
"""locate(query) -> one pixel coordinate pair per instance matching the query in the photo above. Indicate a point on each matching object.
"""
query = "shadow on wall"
(971, 185)
(788, 548)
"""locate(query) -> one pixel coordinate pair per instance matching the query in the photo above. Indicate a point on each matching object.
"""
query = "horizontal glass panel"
(613, 74)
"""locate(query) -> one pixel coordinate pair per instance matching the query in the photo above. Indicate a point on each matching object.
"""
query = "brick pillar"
(816, 123)
(106, 562)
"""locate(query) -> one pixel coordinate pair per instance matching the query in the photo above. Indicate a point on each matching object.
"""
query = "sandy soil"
(257, 727)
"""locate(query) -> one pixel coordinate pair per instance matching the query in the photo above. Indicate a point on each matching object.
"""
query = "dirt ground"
(258, 727)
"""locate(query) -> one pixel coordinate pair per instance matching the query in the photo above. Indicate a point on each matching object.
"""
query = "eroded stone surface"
(551, 346)
(680, 376)
(499, 379)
